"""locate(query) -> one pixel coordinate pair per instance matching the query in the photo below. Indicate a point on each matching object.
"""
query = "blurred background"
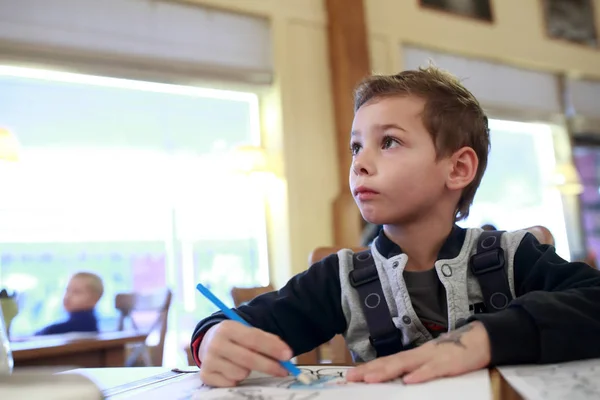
(164, 143)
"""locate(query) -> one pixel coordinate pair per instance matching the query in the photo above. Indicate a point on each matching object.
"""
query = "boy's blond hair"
(452, 116)
(93, 282)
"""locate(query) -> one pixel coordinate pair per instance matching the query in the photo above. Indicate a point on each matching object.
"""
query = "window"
(130, 180)
(517, 189)
(587, 159)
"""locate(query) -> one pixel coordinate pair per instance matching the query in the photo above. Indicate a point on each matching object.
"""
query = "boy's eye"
(389, 142)
(354, 148)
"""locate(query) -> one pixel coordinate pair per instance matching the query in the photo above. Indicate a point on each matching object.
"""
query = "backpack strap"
(383, 334)
(487, 265)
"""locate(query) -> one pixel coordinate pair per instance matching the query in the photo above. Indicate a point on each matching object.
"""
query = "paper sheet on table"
(578, 380)
(105, 378)
(330, 385)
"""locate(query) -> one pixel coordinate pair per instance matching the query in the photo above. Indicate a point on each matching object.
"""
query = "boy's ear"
(463, 168)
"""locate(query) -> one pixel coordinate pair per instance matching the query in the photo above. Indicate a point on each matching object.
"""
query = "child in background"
(83, 293)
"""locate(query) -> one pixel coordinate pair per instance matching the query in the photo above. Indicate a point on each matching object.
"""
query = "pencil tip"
(305, 378)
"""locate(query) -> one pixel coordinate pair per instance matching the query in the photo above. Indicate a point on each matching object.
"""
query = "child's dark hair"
(452, 115)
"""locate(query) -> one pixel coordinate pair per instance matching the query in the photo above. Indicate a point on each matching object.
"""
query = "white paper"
(578, 380)
(331, 385)
(106, 378)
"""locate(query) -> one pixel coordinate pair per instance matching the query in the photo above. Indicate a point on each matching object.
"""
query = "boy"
(429, 299)
(83, 293)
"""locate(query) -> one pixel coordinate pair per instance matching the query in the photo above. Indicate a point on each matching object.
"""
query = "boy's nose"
(362, 166)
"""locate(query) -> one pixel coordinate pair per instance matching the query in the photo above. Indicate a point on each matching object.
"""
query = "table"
(501, 390)
(110, 378)
(104, 349)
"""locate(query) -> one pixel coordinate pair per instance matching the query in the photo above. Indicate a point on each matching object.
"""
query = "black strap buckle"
(384, 336)
(362, 276)
(390, 343)
(489, 261)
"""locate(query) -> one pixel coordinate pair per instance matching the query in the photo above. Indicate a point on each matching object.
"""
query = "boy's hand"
(230, 351)
(463, 350)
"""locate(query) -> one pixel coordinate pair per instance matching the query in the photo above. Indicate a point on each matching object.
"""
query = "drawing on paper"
(327, 377)
(264, 387)
(257, 394)
(573, 381)
(330, 385)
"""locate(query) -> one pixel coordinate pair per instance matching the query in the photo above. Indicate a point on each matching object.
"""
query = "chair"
(590, 259)
(147, 313)
(542, 234)
(244, 295)
(335, 351)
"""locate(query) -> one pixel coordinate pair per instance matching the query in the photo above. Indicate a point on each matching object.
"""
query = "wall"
(300, 106)
(516, 37)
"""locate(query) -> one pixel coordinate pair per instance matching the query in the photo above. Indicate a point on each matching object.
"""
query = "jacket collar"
(450, 249)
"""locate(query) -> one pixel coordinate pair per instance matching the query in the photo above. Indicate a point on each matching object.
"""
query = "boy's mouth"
(364, 193)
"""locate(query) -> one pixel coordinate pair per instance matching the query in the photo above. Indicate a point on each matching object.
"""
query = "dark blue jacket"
(80, 321)
(555, 318)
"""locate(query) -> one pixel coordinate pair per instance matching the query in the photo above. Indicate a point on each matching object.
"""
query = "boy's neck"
(421, 241)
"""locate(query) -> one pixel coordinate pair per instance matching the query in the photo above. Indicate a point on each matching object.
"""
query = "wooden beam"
(349, 63)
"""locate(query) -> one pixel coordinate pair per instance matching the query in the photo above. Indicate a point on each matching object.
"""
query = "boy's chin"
(379, 219)
(374, 217)
(374, 220)
(376, 214)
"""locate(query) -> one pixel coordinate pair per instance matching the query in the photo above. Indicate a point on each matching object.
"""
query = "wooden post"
(349, 62)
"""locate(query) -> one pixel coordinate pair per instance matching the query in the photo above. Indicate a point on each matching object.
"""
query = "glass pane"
(587, 160)
(51, 109)
(40, 273)
(516, 190)
(128, 180)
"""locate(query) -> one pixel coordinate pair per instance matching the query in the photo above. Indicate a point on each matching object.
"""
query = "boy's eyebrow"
(381, 128)
(385, 127)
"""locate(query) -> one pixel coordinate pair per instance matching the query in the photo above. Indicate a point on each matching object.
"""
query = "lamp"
(9, 146)
(566, 179)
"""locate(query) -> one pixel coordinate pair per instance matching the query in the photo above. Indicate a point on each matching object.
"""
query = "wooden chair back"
(244, 295)
(146, 312)
(542, 234)
(335, 351)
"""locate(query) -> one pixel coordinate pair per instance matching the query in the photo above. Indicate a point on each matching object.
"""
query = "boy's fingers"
(216, 379)
(424, 373)
(357, 374)
(228, 369)
(392, 370)
(376, 366)
(251, 360)
(258, 341)
(386, 368)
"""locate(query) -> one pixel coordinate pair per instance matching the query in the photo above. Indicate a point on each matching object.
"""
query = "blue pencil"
(292, 369)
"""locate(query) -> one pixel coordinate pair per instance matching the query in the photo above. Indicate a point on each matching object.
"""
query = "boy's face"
(79, 296)
(395, 177)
